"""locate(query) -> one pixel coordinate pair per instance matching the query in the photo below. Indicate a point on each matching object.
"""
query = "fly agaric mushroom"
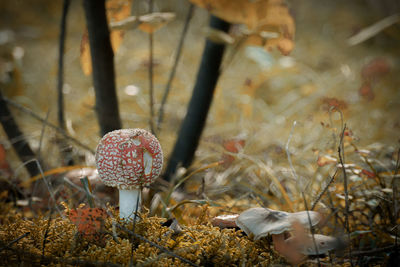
(263, 221)
(129, 159)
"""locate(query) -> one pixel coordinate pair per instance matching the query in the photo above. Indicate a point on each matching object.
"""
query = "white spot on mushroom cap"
(263, 221)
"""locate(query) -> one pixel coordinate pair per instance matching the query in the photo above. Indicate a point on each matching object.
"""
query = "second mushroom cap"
(263, 221)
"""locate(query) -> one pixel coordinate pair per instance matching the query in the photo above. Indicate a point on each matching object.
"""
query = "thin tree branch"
(174, 67)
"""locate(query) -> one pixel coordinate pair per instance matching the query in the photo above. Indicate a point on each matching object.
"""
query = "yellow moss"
(199, 243)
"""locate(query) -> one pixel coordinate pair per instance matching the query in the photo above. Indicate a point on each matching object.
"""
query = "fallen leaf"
(368, 173)
(260, 17)
(233, 146)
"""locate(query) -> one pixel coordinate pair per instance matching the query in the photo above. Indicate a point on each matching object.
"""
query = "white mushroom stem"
(128, 200)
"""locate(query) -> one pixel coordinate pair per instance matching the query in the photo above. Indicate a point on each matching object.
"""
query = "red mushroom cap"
(129, 158)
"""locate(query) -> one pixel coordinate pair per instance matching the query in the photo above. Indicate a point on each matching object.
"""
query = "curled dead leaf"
(260, 17)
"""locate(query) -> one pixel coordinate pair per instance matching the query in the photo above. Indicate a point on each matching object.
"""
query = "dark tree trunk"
(17, 138)
(103, 65)
(194, 121)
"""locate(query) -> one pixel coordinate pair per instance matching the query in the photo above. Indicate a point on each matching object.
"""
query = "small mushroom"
(129, 159)
(263, 221)
(323, 244)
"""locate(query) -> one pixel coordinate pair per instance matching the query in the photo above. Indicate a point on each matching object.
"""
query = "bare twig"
(373, 30)
(52, 196)
(44, 121)
(174, 67)
(161, 248)
(14, 241)
(311, 227)
(324, 190)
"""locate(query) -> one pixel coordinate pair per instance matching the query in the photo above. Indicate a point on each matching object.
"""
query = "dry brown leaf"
(117, 10)
(259, 16)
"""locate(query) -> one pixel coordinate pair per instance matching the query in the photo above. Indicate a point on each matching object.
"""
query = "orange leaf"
(234, 145)
(368, 173)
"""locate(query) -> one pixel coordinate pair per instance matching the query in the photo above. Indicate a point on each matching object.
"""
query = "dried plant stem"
(345, 185)
(44, 121)
(174, 67)
(311, 227)
(161, 248)
(395, 187)
(288, 153)
(332, 178)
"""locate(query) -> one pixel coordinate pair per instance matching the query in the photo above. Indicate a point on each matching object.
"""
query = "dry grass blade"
(58, 129)
(311, 227)
(332, 178)
(174, 67)
(345, 185)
